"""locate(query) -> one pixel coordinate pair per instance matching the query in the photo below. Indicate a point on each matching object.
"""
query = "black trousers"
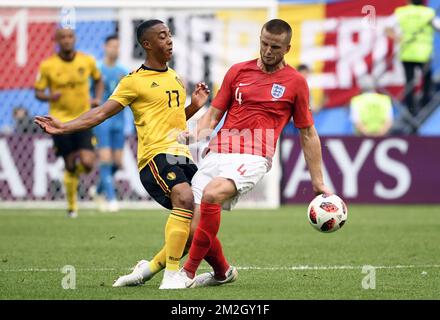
(409, 99)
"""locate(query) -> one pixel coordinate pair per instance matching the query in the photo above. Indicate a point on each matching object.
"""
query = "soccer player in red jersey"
(260, 96)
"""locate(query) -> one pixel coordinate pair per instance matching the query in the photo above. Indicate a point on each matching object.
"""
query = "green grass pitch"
(278, 254)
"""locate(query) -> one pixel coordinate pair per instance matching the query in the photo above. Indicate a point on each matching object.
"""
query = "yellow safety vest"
(373, 110)
(417, 32)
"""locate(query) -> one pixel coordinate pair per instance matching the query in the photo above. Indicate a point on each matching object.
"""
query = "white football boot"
(207, 279)
(140, 274)
(100, 201)
(113, 206)
(176, 280)
(72, 214)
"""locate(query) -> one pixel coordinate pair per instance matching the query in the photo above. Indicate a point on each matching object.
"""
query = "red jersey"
(258, 107)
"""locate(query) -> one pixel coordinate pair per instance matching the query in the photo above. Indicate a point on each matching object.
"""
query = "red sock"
(217, 260)
(205, 232)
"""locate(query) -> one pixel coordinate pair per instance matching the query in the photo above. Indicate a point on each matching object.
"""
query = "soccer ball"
(327, 213)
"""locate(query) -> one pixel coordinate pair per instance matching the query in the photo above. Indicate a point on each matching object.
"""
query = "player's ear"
(288, 48)
(146, 44)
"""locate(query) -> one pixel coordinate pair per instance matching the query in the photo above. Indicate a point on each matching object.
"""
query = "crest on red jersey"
(277, 91)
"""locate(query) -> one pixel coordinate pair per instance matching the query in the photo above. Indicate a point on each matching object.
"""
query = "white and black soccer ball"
(327, 213)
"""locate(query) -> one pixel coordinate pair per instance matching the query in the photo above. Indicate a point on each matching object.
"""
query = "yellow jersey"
(157, 100)
(71, 80)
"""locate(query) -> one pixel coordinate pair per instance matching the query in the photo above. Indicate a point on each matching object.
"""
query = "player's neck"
(67, 56)
(155, 64)
(109, 61)
(270, 69)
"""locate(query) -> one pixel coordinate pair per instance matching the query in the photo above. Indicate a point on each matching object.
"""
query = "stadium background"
(336, 38)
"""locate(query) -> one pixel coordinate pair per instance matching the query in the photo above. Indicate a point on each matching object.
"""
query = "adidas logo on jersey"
(154, 85)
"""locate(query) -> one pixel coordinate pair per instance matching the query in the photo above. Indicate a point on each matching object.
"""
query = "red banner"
(24, 42)
(361, 46)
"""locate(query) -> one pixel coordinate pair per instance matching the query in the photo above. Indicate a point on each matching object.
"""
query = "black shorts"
(67, 143)
(163, 172)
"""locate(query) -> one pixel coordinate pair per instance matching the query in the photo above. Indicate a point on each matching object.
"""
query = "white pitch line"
(306, 267)
(291, 268)
(57, 269)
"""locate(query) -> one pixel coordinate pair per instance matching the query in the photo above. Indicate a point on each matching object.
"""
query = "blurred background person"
(305, 71)
(413, 26)
(24, 123)
(67, 75)
(110, 133)
(371, 112)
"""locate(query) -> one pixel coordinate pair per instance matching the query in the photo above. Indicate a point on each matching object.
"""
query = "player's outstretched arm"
(311, 146)
(85, 121)
(198, 99)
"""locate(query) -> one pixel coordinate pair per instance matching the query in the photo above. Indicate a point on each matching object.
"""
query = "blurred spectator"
(371, 112)
(413, 26)
(305, 71)
(23, 123)
(110, 133)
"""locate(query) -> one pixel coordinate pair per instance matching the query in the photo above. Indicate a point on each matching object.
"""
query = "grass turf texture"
(267, 245)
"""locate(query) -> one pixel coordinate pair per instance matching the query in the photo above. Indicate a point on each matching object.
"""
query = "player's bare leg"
(87, 160)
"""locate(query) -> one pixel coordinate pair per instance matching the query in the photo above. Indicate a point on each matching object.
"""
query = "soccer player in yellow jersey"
(66, 74)
(156, 96)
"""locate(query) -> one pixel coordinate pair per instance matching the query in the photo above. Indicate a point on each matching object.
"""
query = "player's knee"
(210, 196)
(70, 165)
(183, 198)
(88, 163)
